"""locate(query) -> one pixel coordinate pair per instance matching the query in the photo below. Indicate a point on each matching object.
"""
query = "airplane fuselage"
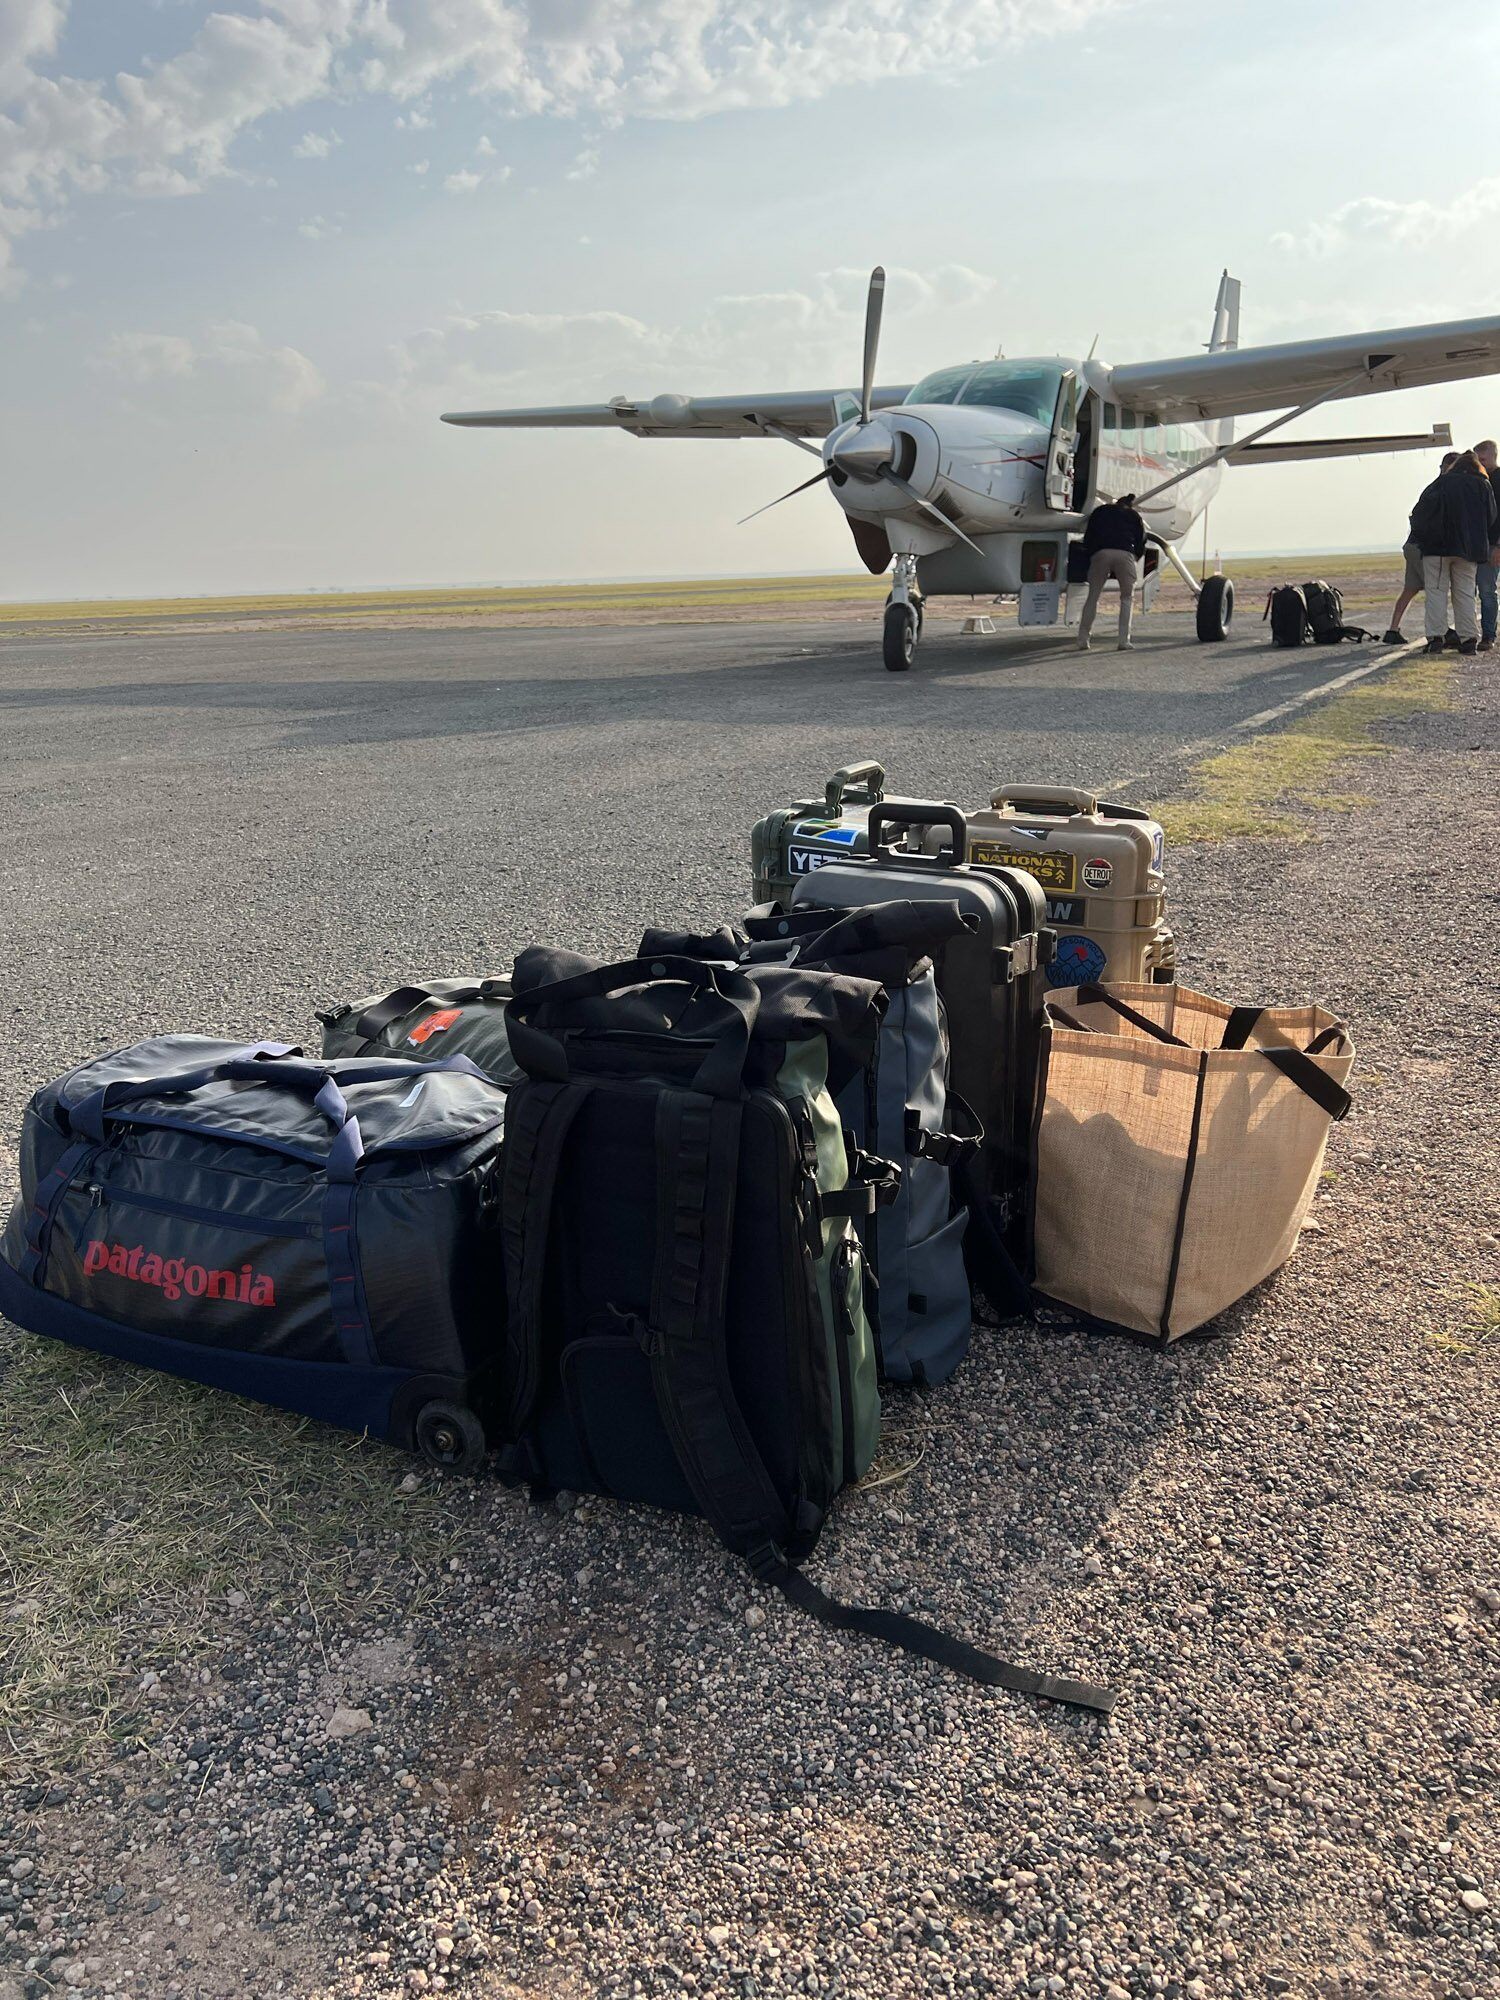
(1014, 455)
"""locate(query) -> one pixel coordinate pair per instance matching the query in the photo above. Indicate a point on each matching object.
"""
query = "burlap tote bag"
(1178, 1145)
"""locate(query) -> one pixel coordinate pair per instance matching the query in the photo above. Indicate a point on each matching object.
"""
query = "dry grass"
(1271, 784)
(133, 1504)
(707, 594)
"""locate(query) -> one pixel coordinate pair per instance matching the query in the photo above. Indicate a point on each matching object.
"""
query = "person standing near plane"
(1114, 541)
(1454, 525)
(1487, 576)
(1411, 555)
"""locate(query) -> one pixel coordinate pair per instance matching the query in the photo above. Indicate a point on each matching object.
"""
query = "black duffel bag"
(323, 1236)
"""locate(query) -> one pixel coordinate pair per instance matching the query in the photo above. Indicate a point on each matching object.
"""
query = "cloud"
(171, 127)
(415, 121)
(316, 145)
(1372, 220)
(585, 165)
(738, 341)
(317, 228)
(228, 370)
(463, 182)
(485, 148)
(419, 166)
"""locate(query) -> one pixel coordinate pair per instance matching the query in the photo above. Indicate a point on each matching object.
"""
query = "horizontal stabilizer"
(1286, 451)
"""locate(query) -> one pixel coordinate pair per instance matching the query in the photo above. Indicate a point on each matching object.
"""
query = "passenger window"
(1111, 419)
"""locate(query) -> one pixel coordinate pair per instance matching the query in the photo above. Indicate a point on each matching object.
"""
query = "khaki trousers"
(1104, 564)
(1440, 575)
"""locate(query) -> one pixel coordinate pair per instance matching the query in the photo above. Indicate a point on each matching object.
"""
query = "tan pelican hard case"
(1100, 865)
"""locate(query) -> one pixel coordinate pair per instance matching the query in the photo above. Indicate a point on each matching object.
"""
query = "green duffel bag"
(441, 1017)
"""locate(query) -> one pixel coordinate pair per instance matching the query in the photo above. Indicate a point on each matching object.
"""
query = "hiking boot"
(1486, 645)
(1468, 646)
(1434, 646)
(1126, 646)
(1394, 638)
(1450, 640)
(1084, 646)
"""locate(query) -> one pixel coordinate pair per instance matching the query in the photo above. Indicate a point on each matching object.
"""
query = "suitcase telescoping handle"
(868, 776)
(541, 1053)
(956, 855)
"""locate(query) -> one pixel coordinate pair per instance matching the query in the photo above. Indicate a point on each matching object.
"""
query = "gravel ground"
(598, 1761)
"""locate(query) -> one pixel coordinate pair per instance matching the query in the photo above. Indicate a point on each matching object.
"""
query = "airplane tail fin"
(1226, 335)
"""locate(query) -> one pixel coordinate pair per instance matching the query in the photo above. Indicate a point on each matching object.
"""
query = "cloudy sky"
(249, 251)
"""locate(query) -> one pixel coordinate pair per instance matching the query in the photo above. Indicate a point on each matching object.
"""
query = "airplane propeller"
(874, 302)
(816, 480)
(866, 453)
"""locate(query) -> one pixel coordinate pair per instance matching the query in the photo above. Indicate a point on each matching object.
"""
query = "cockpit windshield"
(1027, 387)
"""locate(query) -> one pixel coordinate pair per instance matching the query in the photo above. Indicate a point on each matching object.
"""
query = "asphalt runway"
(219, 831)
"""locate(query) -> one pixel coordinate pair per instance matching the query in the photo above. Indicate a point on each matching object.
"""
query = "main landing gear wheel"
(902, 624)
(1215, 608)
(451, 1436)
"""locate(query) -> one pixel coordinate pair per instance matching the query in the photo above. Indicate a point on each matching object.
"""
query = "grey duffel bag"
(426, 1021)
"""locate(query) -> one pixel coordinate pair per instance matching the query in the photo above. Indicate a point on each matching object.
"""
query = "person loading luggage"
(1453, 524)
(1411, 581)
(1114, 542)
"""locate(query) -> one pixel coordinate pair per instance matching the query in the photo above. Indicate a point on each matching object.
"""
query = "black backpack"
(686, 1323)
(1325, 615)
(1286, 608)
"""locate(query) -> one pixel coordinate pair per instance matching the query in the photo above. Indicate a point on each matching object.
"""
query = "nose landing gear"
(903, 617)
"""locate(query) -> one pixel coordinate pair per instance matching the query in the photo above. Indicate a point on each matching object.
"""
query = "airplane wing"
(1284, 451)
(808, 413)
(1245, 380)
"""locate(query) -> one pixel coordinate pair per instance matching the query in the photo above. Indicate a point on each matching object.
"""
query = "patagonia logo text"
(172, 1276)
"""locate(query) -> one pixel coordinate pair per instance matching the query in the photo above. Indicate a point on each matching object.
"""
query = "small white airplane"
(977, 480)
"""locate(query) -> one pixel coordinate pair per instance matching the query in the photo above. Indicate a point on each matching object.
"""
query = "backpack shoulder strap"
(697, 1163)
(538, 1119)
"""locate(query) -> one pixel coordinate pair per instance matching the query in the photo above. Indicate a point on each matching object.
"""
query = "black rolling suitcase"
(993, 983)
(323, 1236)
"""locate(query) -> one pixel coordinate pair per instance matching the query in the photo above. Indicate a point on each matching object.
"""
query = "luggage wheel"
(450, 1436)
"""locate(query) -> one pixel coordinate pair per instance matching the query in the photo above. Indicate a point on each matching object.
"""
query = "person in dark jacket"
(1411, 578)
(1454, 525)
(1114, 540)
(1487, 576)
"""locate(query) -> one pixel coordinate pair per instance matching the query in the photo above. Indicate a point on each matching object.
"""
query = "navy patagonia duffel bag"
(319, 1235)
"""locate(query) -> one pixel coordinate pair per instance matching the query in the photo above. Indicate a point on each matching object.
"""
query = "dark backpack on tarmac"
(687, 1323)
(900, 1107)
(1325, 615)
(1286, 609)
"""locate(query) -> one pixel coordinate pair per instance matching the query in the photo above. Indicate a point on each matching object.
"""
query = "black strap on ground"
(911, 1635)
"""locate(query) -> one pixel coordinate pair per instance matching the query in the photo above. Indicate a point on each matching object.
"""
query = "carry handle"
(868, 775)
(541, 1052)
(87, 1116)
(281, 1067)
(1295, 1065)
(1053, 801)
(921, 815)
(383, 1014)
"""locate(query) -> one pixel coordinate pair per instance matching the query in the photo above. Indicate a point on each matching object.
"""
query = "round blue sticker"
(1078, 960)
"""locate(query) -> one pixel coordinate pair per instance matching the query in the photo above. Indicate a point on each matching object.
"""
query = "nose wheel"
(903, 617)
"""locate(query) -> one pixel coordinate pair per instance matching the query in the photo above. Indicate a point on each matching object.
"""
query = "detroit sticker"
(1097, 873)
